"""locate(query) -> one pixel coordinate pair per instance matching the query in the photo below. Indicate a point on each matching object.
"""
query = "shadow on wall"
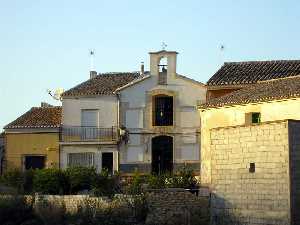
(221, 212)
(224, 212)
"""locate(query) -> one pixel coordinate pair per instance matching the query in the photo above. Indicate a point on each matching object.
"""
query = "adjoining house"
(251, 153)
(233, 76)
(32, 140)
(2, 143)
(144, 120)
(90, 122)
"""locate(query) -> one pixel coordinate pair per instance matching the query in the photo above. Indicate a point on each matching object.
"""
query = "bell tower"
(163, 63)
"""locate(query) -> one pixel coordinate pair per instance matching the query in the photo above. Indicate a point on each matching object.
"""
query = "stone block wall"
(177, 207)
(71, 202)
(244, 197)
(294, 138)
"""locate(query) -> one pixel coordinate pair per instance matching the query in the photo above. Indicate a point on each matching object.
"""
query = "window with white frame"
(89, 117)
(85, 159)
(89, 123)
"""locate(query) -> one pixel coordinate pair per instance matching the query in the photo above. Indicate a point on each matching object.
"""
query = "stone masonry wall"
(294, 134)
(71, 202)
(241, 197)
(177, 207)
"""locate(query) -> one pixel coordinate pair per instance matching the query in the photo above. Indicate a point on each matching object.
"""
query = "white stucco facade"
(136, 116)
(131, 106)
(106, 108)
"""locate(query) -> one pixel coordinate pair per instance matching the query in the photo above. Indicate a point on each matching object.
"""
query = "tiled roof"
(240, 73)
(102, 84)
(263, 91)
(190, 79)
(38, 117)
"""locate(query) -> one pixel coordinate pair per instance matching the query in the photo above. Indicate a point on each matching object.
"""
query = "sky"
(45, 44)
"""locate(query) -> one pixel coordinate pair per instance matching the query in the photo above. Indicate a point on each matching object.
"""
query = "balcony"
(88, 134)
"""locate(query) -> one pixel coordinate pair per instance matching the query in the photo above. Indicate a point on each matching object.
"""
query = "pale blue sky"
(44, 44)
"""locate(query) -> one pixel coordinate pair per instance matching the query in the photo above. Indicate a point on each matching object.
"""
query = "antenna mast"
(92, 60)
(222, 53)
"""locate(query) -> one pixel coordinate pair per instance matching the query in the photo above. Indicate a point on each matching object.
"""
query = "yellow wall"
(235, 115)
(18, 145)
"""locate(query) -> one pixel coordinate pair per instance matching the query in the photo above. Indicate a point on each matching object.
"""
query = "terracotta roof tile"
(237, 73)
(38, 117)
(102, 84)
(263, 91)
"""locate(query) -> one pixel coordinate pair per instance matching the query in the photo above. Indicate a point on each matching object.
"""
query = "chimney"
(45, 105)
(93, 74)
(142, 68)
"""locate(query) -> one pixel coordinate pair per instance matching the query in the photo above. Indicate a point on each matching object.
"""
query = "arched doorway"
(162, 154)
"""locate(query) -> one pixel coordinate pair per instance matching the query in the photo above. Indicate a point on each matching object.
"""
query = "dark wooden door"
(107, 161)
(162, 154)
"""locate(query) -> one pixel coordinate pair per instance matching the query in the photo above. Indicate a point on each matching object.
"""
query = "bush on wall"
(21, 181)
(50, 181)
(106, 185)
(13, 178)
(80, 178)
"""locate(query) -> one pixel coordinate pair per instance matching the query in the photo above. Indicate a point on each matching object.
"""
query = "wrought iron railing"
(88, 134)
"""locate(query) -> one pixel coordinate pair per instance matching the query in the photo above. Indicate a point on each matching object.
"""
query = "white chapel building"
(145, 121)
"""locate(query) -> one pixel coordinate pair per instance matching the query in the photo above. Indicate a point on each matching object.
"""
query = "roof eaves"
(132, 83)
(190, 79)
(35, 127)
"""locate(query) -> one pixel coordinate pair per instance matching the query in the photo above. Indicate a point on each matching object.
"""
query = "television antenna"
(56, 94)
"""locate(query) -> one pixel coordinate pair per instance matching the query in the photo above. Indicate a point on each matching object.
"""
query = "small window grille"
(255, 117)
(81, 159)
(162, 110)
(252, 168)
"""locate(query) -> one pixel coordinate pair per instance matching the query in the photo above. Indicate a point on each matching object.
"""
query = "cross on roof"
(163, 45)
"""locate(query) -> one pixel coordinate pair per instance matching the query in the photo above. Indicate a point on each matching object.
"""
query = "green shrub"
(21, 181)
(186, 178)
(105, 185)
(28, 176)
(80, 178)
(13, 178)
(135, 185)
(156, 181)
(49, 181)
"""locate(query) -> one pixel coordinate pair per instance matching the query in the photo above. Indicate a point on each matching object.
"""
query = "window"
(34, 162)
(255, 117)
(89, 118)
(252, 118)
(89, 121)
(252, 168)
(107, 161)
(163, 110)
(81, 159)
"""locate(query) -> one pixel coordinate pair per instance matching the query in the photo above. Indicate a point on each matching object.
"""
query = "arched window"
(162, 110)
(162, 73)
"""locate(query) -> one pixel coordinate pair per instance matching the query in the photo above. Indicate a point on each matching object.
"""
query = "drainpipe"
(118, 127)
(59, 145)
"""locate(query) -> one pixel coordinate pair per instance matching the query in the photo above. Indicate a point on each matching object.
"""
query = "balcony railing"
(88, 134)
